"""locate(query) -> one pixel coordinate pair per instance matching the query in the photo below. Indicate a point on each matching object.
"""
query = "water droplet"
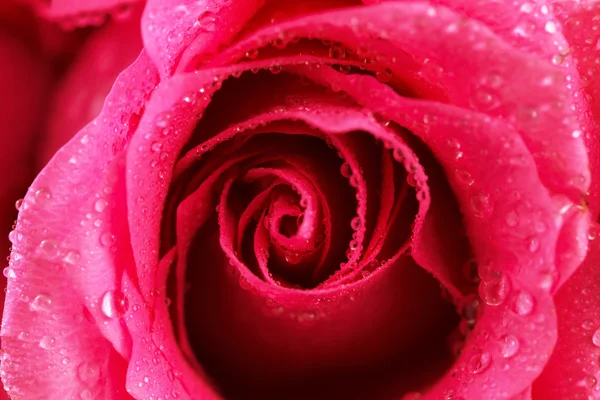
(292, 257)
(346, 170)
(48, 247)
(19, 204)
(494, 289)
(512, 219)
(47, 342)
(484, 99)
(588, 324)
(355, 223)
(275, 69)
(464, 177)
(479, 362)
(42, 195)
(592, 233)
(532, 243)
(337, 51)
(72, 257)
(23, 336)
(596, 338)
(550, 27)
(524, 303)
(252, 54)
(41, 302)
(88, 373)
(66, 360)
(107, 239)
(384, 75)
(510, 346)
(15, 237)
(480, 205)
(114, 304)
(9, 272)
(100, 205)
(86, 394)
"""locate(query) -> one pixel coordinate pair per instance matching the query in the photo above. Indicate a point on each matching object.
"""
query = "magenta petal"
(580, 27)
(205, 24)
(65, 299)
(572, 371)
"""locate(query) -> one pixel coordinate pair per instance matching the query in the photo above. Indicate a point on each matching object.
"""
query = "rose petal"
(496, 89)
(207, 23)
(580, 26)
(66, 295)
(572, 371)
(81, 94)
(485, 211)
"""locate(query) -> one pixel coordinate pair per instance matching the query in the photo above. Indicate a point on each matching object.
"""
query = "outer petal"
(64, 294)
(573, 372)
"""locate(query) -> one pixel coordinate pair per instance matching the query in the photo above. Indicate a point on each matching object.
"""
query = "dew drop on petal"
(346, 170)
(48, 247)
(42, 195)
(9, 272)
(512, 219)
(41, 302)
(524, 303)
(47, 342)
(480, 205)
(107, 239)
(464, 177)
(479, 362)
(72, 257)
(532, 244)
(100, 205)
(510, 346)
(114, 304)
(494, 289)
(384, 75)
(88, 373)
(86, 394)
(355, 223)
(550, 27)
(292, 257)
(587, 325)
(596, 338)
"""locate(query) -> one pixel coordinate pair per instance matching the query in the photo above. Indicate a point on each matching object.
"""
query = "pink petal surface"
(581, 29)
(65, 294)
(208, 23)
(572, 371)
(81, 94)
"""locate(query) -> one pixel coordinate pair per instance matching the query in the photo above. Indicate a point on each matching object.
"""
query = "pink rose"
(272, 195)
